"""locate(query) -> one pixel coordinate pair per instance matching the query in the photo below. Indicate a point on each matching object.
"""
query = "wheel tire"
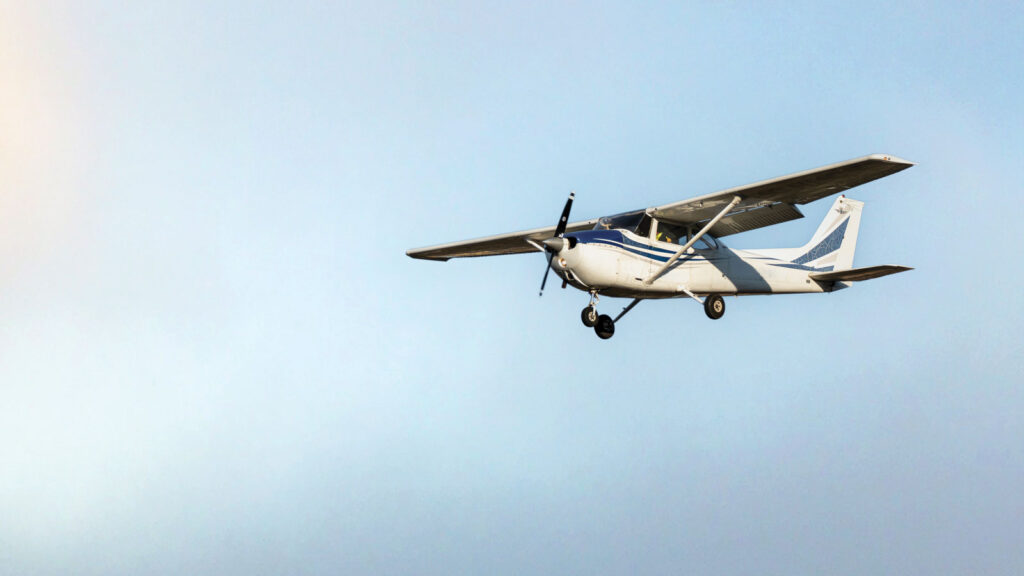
(604, 328)
(589, 316)
(714, 306)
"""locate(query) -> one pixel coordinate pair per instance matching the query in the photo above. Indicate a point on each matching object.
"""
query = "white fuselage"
(618, 263)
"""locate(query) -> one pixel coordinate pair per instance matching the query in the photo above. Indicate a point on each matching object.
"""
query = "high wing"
(773, 201)
(761, 204)
(511, 243)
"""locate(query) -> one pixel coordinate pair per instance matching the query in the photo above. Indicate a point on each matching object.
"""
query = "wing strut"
(626, 309)
(535, 245)
(697, 236)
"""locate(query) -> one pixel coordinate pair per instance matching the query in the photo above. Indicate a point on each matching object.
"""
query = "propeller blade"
(560, 229)
(546, 270)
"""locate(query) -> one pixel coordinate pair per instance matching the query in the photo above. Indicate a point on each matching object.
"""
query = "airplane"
(675, 250)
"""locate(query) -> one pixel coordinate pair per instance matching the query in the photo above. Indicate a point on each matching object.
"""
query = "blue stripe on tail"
(828, 245)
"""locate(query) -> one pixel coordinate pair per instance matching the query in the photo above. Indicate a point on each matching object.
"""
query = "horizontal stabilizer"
(856, 274)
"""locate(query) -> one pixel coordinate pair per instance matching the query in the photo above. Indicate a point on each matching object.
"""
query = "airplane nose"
(555, 244)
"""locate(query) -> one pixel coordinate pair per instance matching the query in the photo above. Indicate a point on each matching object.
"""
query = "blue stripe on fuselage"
(617, 239)
(617, 236)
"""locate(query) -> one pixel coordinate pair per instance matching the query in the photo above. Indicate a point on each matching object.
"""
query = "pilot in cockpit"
(665, 235)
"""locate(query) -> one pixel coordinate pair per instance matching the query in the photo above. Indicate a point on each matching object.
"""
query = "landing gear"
(605, 327)
(589, 316)
(714, 306)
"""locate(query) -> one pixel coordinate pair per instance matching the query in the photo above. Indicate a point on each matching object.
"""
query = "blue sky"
(216, 358)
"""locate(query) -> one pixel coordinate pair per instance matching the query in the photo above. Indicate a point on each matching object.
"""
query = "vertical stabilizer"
(832, 246)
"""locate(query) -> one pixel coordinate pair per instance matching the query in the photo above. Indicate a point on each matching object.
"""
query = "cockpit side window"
(681, 235)
(667, 234)
(706, 242)
(671, 234)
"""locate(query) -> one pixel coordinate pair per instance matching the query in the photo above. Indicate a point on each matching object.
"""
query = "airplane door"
(641, 267)
(715, 266)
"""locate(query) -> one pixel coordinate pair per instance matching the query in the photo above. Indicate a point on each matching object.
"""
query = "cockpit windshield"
(627, 220)
(639, 222)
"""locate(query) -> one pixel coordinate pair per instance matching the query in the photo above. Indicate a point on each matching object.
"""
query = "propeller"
(559, 231)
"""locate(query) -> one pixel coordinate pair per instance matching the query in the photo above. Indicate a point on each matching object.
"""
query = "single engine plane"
(675, 250)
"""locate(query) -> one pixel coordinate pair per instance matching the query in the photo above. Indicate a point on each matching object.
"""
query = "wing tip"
(892, 159)
(421, 254)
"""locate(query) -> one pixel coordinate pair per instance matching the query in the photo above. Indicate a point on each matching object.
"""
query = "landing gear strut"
(589, 314)
(714, 306)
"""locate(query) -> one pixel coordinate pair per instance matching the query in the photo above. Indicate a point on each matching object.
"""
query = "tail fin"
(832, 246)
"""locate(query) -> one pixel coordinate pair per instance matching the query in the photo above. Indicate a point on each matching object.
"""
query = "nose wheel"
(589, 316)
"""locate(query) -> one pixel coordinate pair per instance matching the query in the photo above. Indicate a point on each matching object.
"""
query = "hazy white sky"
(216, 358)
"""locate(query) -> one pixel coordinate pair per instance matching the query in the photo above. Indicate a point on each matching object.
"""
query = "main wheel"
(714, 306)
(605, 328)
(589, 316)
